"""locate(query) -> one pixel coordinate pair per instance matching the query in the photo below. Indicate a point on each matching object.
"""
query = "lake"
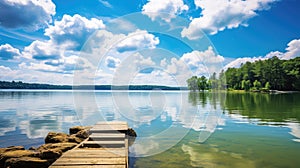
(175, 128)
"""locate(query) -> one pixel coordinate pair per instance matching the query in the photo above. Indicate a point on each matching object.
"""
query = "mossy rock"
(16, 154)
(53, 137)
(59, 146)
(24, 162)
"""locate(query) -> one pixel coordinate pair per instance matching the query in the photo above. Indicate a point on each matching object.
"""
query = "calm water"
(175, 129)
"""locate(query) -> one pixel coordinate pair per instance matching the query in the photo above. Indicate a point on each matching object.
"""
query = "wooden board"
(84, 153)
(109, 127)
(90, 161)
(90, 166)
(107, 135)
(111, 123)
(111, 144)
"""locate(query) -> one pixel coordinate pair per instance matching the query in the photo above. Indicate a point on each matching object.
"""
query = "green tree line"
(262, 75)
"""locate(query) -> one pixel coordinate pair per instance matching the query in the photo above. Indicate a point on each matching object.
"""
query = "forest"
(23, 85)
(261, 75)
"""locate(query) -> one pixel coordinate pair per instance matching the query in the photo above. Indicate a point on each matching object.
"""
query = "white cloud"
(199, 62)
(7, 52)
(73, 28)
(194, 63)
(292, 51)
(105, 3)
(156, 77)
(194, 58)
(28, 14)
(137, 40)
(68, 34)
(66, 65)
(237, 62)
(164, 9)
(60, 53)
(130, 67)
(219, 15)
(112, 62)
(27, 75)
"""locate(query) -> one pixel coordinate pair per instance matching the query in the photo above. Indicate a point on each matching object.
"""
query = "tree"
(202, 83)
(213, 81)
(246, 85)
(192, 83)
(267, 86)
(256, 85)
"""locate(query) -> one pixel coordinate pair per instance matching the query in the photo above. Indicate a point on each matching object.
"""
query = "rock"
(73, 138)
(32, 148)
(131, 132)
(11, 148)
(53, 137)
(131, 135)
(50, 154)
(59, 146)
(16, 154)
(24, 162)
(83, 134)
(75, 129)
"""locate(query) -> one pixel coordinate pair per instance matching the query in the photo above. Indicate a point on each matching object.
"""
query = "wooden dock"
(106, 147)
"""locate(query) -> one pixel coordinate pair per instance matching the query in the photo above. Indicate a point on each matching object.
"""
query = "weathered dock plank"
(101, 153)
(91, 166)
(106, 136)
(111, 144)
(91, 161)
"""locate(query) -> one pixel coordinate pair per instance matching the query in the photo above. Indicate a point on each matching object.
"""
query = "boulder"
(73, 138)
(11, 148)
(75, 129)
(83, 134)
(50, 154)
(58, 146)
(131, 135)
(131, 132)
(24, 162)
(16, 154)
(53, 137)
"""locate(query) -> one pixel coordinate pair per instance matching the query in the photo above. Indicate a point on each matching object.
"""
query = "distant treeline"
(262, 75)
(21, 85)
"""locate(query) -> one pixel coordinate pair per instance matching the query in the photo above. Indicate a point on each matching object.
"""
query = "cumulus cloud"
(130, 66)
(66, 37)
(194, 58)
(292, 51)
(155, 77)
(73, 28)
(219, 15)
(112, 62)
(7, 52)
(66, 65)
(166, 9)
(28, 14)
(193, 63)
(69, 33)
(204, 62)
(137, 40)
(239, 61)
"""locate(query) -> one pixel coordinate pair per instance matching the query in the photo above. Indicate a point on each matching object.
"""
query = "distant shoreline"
(38, 86)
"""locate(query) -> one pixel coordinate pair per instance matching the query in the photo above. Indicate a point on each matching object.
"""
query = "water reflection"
(161, 119)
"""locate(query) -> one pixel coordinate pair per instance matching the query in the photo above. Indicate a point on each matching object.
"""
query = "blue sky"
(140, 41)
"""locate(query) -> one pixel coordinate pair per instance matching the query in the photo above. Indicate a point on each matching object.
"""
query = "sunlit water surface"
(175, 129)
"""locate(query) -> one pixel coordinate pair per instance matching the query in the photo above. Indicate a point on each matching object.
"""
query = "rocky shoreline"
(43, 156)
